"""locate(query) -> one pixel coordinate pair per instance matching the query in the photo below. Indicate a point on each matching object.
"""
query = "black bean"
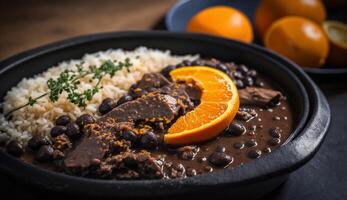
(149, 140)
(208, 169)
(130, 136)
(62, 120)
(222, 68)
(106, 106)
(274, 141)
(166, 71)
(243, 69)
(237, 75)
(187, 63)
(251, 143)
(84, 119)
(44, 154)
(37, 141)
(73, 131)
(252, 73)
(58, 130)
(14, 148)
(179, 65)
(220, 159)
(275, 132)
(238, 145)
(220, 148)
(248, 81)
(197, 62)
(124, 99)
(254, 153)
(239, 84)
(235, 129)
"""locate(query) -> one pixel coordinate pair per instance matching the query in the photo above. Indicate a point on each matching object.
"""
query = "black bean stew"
(124, 140)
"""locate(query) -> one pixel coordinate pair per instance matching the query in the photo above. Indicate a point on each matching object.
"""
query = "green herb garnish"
(68, 81)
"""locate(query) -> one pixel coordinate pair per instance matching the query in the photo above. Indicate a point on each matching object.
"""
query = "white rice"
(39, 119)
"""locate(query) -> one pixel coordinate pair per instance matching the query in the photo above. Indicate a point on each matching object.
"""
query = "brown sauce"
(257, 129)
(264, 132)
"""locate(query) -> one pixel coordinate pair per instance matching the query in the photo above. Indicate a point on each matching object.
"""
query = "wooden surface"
(25, 24)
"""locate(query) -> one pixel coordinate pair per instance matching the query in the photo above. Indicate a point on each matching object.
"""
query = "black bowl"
(311, 114)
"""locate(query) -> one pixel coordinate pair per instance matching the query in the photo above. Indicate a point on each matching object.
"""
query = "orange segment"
(218, 106)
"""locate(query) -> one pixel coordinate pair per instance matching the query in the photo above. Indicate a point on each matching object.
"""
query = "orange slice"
(218, 106)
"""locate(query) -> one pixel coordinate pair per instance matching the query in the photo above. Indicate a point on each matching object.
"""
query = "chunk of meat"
(98, 140)
(259, 97)
(149, 83)
(88, 151)
(179, 92)
(152, 107)
(194, 93)
(131, 165)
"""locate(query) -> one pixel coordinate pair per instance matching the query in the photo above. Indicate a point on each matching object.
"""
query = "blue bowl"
(179, 15)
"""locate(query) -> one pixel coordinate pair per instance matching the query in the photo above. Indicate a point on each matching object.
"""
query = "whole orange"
(222, 21)
(299, 39)
(269, 11)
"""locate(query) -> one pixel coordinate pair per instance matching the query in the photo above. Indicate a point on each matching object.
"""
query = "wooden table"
(25, 24)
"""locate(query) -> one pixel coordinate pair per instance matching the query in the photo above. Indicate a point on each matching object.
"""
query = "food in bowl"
(144, 114)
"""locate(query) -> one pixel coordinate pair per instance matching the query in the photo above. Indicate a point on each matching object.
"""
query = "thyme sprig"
(69, 81)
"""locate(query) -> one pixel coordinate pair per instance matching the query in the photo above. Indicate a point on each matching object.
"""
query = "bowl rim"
(299, 150)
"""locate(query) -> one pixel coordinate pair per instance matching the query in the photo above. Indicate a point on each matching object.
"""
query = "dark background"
(25, 24)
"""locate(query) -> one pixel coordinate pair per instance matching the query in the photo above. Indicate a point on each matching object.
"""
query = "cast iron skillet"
(311, 114)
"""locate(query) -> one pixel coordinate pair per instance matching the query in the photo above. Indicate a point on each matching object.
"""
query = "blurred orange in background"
(299, 39)
(222, 21)
(269, 11)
